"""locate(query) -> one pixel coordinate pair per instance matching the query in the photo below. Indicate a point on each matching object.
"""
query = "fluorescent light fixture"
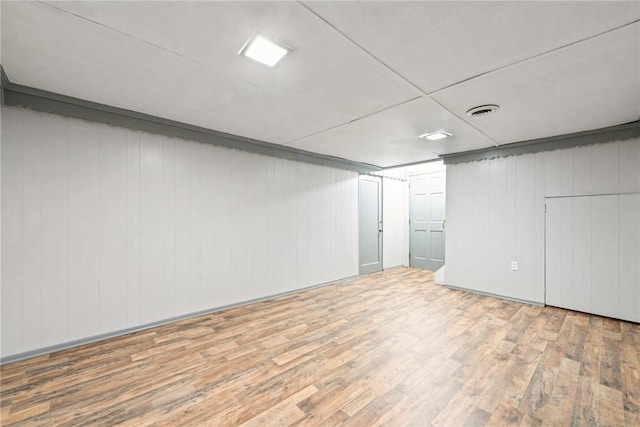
(434, 136)
(262, 50)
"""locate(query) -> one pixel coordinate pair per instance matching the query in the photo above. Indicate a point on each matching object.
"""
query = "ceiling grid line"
(354, 120)
(362, 48)
(495, 143)
(388, 67)
(530, 58)
(48, 4)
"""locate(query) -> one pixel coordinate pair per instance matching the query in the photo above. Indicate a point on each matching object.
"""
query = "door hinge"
(545, 208)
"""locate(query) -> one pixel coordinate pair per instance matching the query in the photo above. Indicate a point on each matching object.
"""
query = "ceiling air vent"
(482, 110)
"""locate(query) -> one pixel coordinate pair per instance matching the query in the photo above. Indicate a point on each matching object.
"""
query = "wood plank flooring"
(389, 349)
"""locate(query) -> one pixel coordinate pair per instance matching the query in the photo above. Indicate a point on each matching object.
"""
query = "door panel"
(370, 224)
(437, 207)
(437, 245)
(420, 240)
(427, 201)
(421, 201)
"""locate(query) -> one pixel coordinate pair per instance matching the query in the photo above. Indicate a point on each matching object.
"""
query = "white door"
(426, 219)
(370, 223)
(592, 254)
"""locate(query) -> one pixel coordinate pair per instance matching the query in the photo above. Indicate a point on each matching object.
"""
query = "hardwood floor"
(390, 348)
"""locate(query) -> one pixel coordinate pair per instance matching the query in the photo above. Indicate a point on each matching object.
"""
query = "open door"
(426, 219)
(370, 223)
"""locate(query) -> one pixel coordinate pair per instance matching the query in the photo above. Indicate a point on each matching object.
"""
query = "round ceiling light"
(483, 110)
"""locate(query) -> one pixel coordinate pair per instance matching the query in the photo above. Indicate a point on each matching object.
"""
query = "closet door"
(593, 254)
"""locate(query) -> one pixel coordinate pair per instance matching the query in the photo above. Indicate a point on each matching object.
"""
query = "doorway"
(370, 223)
(427, 220)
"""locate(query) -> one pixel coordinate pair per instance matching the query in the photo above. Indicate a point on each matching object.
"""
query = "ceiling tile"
(391, 137)
(435, 44)
(589, 85)
(179, 61)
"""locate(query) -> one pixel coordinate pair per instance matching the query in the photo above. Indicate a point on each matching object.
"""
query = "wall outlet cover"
(514, 265)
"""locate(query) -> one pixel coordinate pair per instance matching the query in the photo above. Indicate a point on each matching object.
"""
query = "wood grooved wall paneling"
(106, 228)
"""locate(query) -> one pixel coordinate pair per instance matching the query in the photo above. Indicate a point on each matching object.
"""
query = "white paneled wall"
(495, 212)
(395, 218)
(107, 228)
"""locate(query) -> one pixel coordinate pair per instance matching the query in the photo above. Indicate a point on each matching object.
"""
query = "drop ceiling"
(363, 79)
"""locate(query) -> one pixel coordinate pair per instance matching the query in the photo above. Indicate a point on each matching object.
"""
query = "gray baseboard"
(489, 294)
(101, 337)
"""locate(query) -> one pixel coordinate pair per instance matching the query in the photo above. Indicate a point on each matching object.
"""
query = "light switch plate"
(514, 265)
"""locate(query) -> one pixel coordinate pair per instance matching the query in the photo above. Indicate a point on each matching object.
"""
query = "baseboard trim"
(489, 294)
(108, 335)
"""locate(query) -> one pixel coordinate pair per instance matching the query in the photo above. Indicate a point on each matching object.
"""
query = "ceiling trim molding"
(596, 136)
(4, 78)
(4, 81)
(420, 162)
(50, 102)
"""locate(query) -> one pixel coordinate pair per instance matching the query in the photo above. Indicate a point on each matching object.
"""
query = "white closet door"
(604, 256)
(593, 254)
(629, 270)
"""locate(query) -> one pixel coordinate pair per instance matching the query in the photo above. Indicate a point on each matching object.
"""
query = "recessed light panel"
(434, 136)
(262, 50)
